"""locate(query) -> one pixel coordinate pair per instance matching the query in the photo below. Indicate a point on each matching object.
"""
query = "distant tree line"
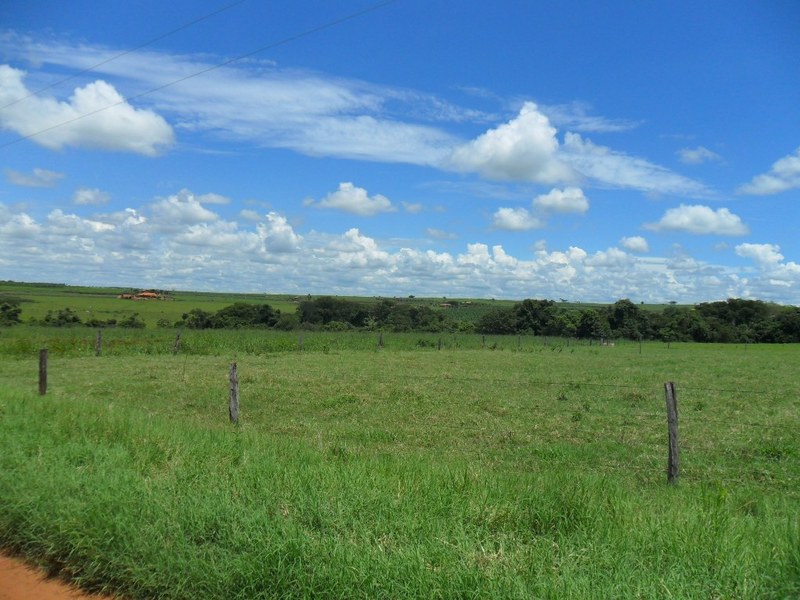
(733, 320)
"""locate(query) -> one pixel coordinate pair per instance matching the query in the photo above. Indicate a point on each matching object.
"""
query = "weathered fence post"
(98, 342)
(233, 404)
(673, 461)
(483, 341)
(42, 371)
(440, 343)
(177, 347)
(380, 340)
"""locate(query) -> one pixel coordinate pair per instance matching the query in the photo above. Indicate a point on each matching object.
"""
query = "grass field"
(530, 471)
(104, 304)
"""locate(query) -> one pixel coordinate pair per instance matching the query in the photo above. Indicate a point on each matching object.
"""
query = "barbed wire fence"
(638, 429)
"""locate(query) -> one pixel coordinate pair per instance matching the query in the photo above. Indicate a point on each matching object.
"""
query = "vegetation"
(532, 471)
(733, 320)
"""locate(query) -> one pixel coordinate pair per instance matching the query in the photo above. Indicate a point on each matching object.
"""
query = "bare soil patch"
(19, 581)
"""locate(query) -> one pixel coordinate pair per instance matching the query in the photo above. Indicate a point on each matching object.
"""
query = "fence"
(607, 427)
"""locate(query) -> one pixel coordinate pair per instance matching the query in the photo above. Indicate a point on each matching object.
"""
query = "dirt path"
(18, 581)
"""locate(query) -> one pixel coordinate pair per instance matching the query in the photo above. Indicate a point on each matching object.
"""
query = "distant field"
(104, 304)
(495, 467)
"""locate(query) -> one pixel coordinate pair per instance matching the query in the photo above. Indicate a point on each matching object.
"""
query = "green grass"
(406, 472)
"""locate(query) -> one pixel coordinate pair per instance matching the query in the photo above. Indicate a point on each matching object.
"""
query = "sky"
(581, 151)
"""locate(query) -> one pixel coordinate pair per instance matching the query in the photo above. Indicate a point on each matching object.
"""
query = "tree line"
(732, 320)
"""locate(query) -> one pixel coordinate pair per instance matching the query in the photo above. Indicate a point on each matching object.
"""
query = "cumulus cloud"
(773, 272)
(700, 219)
(20, 226)
(568, 200)
(697, 156)
(523, 149)
(762, 253)
(277, 235)
(635, 243)
(181, 209)
(783, 176)
(516, 219)
(90, 196)
(95, 116)
(354, 200)
(41, 178)
(135, 245)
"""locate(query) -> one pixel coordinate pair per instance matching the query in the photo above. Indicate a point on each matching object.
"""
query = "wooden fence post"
(98, 342)
(42, 371)
(233, 404)
(673, 462)
(177, 347)
(440, 343)
(483, 341)
(380, 340)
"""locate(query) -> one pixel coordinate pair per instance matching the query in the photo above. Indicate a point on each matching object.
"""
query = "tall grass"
(80, 341)
(407, 473)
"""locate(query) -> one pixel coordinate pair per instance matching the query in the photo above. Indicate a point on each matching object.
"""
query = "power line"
(284, 41)
(126, 52)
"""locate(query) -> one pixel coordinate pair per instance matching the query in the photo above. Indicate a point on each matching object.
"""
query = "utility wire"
(284, 41)
(126, 52)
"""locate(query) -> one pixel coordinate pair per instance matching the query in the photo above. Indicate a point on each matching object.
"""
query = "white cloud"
(700, 219)
(20, 225)
(523, 149)
(697, 156)
(355, 200)
(41, 178)
(90, 196)
(568, 200)
(181, 209)
(95, 116)
(134, 246)
(773, 273)
(438, 234)
(576, 116)
(783, 176)
(516, 219)
(619, 170)
(762, 253)
(412, 208)
(277, 235)
(212, 199)
(319, 115)
(635, 243)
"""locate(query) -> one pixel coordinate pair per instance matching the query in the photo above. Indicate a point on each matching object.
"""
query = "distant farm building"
(143, 295)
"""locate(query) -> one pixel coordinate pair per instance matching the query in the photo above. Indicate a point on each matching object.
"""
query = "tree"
(535, 316)
(499, 321)
(9, 314)
(63, 318)
(592, 324)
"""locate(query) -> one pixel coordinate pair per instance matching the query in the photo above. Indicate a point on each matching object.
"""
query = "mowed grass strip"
(406, 474)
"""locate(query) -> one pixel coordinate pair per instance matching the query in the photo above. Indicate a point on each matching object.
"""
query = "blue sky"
(514, 149)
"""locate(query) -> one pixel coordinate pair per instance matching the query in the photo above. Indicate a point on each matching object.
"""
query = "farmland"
(512, 467)
(390, 464)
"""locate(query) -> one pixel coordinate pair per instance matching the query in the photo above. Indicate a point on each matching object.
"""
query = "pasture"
(498, 467)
